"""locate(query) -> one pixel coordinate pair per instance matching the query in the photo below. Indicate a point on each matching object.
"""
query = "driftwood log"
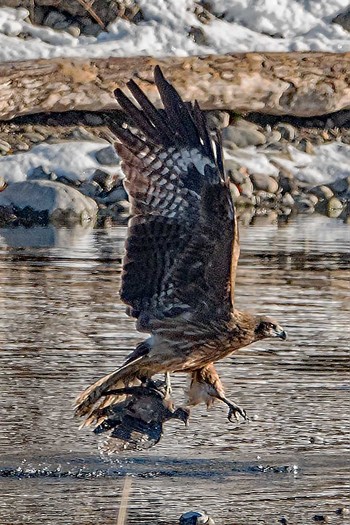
(300, 84)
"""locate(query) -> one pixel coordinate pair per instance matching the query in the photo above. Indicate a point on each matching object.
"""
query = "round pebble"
(4, 146)
(322, 192)
(74, 31)
(334, 207)
(264, 183)
(247, 188)
(287, 200)
(217, 119)
(312, 198)
(233, 172)
(234, 191)
(242, 137)
(286, 130)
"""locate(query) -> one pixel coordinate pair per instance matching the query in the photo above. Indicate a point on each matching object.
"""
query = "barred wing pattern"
(183, 228)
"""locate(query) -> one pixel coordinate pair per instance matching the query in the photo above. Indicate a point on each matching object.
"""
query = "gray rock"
(121, 207)
(343, 19)
(53, 18)
(242, 136)
(312, 198)
(195, 518)
(287, 182)
(90, 188)
(104, 179)
(286, 130)
(244, 200)
(341, 186)
(116, 195)
(305, 205)
(42, 173)
(22, 146)
(198, 35)
(217, 119)
(264, 197)
(62, 204)
(247, 188)
(107, 156)
(274, 136)
(5, 147)
(64, 180)
(34, 137)
(232, 170)
(92, 30)
(81, 133)
(305, 145)
(264, 183)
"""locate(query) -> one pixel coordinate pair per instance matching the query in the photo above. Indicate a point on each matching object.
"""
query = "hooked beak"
(280, 333)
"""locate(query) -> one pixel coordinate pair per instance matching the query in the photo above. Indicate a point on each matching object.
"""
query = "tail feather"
(84, 404)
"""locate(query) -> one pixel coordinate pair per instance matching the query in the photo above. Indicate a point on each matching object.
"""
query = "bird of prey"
(181, 255)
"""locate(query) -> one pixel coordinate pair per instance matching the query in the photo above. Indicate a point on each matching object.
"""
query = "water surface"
(62, 326)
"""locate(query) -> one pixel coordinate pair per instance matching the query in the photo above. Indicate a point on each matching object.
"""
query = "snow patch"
(244, 25)
(328, 163)
(74, 160)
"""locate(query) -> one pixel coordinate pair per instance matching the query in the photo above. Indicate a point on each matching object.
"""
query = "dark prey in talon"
(137, 421)
(180, 262)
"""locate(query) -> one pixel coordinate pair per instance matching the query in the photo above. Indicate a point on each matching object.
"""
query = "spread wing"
(182, 244)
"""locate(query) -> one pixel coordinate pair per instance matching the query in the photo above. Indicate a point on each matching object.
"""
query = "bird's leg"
(206, 386)
(168, 389)
(234, 409)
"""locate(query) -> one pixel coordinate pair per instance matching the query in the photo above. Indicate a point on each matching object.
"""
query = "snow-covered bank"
(167, 29)
(76, 160)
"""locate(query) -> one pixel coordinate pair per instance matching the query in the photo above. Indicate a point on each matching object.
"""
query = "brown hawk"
(182, 250)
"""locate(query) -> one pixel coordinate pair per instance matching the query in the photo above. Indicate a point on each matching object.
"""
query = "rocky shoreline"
(101, 199)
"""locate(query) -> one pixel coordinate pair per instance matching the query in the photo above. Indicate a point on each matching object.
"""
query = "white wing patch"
(195, 157)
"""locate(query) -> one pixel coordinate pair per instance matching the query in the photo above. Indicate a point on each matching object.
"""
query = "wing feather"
(183, 230)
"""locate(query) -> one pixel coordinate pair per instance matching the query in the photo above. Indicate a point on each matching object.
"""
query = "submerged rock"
(42, 201)
(195, 518)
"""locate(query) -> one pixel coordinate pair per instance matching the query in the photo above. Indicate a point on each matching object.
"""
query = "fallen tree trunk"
(300, 84)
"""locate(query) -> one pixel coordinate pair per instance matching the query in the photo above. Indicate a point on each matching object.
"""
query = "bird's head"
(268, 327)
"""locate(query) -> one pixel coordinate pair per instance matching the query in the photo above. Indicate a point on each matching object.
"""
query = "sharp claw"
(236, 411)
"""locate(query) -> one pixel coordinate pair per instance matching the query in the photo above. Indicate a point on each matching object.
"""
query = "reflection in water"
(62, 325)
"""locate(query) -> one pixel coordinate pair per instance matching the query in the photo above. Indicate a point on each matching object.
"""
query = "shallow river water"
(62, 326)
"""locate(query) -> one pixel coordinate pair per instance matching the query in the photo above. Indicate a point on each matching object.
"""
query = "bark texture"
(301, 84)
